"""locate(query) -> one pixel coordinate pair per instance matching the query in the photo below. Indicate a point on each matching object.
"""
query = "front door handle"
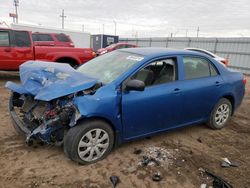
(7, 49)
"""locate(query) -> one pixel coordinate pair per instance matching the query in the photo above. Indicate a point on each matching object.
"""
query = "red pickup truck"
(17, 46)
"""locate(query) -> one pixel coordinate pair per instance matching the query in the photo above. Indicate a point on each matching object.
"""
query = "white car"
(223, 60)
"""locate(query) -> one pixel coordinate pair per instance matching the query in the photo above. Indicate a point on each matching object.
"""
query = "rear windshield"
(62, 38)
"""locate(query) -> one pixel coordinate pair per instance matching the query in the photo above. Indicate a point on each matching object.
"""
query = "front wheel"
(89, 142)
(220, 114)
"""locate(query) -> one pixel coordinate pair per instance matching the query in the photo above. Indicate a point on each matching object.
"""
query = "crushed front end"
(42, 106)
(44, 121)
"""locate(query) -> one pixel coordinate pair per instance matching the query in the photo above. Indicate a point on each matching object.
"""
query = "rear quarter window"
(62, 38)
(41, 37)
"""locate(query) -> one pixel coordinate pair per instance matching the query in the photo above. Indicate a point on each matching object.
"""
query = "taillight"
(93, 54)
(225, 62)
(244, 80)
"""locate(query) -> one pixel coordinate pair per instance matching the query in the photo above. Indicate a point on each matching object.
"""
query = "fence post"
(189, 41)
(150, 41)
(215, 45)
(166, 42)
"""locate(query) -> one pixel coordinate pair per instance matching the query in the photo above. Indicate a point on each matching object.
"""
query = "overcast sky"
(147, 18)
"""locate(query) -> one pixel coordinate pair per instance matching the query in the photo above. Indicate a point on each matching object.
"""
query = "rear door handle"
(217, 83)
(177, 90)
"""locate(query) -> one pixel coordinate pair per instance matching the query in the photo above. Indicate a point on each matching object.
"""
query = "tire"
(92, 149)
(73, 63)
(221, 114)
(18, 130)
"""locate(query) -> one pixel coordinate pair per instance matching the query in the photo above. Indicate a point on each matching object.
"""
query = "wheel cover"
(93, 145)
(222, 114)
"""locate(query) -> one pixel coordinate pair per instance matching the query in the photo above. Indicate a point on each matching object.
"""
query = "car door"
(22, 49)
(5, 48)
(200, 88)
(156, 108)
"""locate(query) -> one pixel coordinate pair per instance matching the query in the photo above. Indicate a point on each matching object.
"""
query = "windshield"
(108, 67)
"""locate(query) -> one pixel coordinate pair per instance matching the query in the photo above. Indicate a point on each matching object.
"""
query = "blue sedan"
(121, 96)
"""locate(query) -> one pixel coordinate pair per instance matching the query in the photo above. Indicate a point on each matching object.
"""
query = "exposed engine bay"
(46, 121)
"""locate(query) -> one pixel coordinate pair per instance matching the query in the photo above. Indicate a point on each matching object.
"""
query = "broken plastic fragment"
(226, 160)
(227, 163)
(149, 161)
(114, 180)
(157, 176)
(218, 182)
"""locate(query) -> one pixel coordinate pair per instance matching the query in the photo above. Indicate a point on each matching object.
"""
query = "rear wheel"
(73, 63)
(89, 142)
(220, 114)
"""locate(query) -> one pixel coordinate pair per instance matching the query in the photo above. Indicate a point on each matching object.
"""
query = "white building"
(80, 39)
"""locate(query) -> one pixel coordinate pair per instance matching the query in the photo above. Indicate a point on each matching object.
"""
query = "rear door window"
(4, 38)
(62, 38)
(196, 67)
(22, 39)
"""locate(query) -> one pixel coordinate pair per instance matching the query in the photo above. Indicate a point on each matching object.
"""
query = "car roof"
(118, 43)
(48, 33)
(206, 52)
(152, 51)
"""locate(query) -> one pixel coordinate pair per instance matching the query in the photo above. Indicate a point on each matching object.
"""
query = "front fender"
(105, 103)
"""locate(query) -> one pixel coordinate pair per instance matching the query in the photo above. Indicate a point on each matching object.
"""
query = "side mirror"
(136, 85)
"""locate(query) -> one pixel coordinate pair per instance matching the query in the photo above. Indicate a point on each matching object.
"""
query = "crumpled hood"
(49, 80)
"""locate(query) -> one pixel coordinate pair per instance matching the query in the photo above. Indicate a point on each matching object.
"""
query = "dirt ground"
(195, 147)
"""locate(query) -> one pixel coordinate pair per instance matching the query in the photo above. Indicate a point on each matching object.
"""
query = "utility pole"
(16, 4)
(198, 30)
(62, 16)
(115, 26)
(186, 32)
(136, 34)
(103, 29)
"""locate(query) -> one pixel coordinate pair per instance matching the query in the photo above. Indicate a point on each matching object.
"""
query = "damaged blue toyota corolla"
(121, 96)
